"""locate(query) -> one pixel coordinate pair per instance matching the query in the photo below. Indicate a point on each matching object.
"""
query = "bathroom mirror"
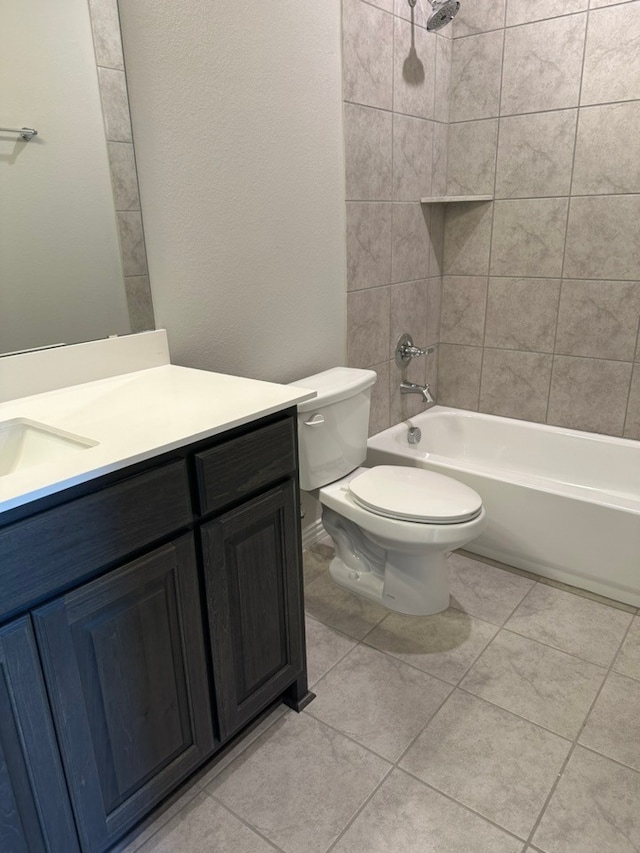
(72, 259)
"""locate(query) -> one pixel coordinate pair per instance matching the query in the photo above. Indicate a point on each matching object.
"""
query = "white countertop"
(134, 417)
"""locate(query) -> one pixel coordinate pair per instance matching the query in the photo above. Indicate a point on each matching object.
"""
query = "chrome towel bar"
(27, 133)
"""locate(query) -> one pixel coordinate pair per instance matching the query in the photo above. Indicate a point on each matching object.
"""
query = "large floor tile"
(325, 647)
(244, 743)
(207, 827)
(492, 761)
(150, 827)
(613, 727)
(542, 684)
(594, 809)
(405, 816)
(444, 645)
(300, 783)
(340, 609)
(484, 591)
(576, 625)
(377, 700)
(628, 661)
(314, 564)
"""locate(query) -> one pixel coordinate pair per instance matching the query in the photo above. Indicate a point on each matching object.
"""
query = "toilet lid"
(413, 494)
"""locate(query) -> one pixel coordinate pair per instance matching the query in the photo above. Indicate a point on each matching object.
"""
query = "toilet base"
(405, 574)
(419, 589)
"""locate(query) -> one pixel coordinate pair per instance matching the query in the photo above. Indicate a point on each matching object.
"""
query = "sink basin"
(24, 443)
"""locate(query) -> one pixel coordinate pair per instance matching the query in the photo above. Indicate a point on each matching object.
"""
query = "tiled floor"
(508, 724)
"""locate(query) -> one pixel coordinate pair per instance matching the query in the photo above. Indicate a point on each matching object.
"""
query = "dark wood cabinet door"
(124, 661)
(253, 585)
(35, 813)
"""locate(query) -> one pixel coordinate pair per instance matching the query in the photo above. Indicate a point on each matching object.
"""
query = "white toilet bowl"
(398, 561)
(393, 526)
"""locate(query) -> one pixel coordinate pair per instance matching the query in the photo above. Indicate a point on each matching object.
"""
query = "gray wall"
(237, 117)
(395, 82)
(541, 293)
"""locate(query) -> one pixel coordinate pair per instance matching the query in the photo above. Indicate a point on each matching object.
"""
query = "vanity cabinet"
(253, 593)
(166, 605)
(124, 660)
(35, 813)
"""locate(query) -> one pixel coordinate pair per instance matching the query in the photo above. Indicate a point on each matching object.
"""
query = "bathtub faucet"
(412, 388)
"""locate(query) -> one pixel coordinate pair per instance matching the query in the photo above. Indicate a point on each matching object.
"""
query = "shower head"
(443, 12)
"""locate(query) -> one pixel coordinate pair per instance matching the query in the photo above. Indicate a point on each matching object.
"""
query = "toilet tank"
(333, 427)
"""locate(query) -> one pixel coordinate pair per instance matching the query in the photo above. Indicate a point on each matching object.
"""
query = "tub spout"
(412, 388)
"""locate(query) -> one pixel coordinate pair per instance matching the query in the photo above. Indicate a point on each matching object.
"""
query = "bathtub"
(561, 503)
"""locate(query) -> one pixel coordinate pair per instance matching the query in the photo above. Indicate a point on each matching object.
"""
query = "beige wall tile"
(535, 154)
(467, 241)
(434, 303)
(444, 54)
(368, 329)
(434, 217)
(479, 16)
(464, 300)
(632, 430)
(107, 42)
(608, 150)
(475, 76)
(612, 59)
(410, 243)
(528, 237)
(139, 303)
(515, 384)
(124, 178)
(368, 146)
(589, 394)
(542, 65)
(523, 11)
(379, 415)
(522, 313)
(414, 73)
(131, 235)
(412, 157)
(459, 376)
(367, 54)
(115, 105)
(602, 238)
(472, 157)
(368, 244)
(417, 15)
(599, 319)
(440, 159)
(409, 313)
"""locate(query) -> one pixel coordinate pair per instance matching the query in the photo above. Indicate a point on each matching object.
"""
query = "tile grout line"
(239, 817)
(568, 216)
(575, 743)
(493, 207)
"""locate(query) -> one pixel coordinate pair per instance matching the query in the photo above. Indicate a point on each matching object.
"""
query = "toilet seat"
(414, 494)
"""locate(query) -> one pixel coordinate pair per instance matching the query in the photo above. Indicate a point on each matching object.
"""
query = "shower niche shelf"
(448, 199)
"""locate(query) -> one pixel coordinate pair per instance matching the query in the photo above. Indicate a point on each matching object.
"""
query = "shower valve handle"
(405, 351)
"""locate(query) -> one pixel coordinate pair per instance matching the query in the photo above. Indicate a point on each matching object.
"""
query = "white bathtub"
(561, 503)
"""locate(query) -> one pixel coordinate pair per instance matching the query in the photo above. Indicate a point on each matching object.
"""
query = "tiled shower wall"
(396, 112)
(541, 292)
(107, 41)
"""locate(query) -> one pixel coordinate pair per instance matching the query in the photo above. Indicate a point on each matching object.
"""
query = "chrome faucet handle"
(405, 351)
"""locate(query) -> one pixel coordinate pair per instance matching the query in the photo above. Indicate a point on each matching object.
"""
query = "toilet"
(392, 526)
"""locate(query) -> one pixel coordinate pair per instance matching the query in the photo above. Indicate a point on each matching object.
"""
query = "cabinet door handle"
(315, 420)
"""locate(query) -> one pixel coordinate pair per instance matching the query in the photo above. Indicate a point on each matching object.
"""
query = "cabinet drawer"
(243, 465)
(59, 547)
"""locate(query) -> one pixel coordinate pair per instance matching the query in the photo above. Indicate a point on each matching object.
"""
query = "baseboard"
(312, 533)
